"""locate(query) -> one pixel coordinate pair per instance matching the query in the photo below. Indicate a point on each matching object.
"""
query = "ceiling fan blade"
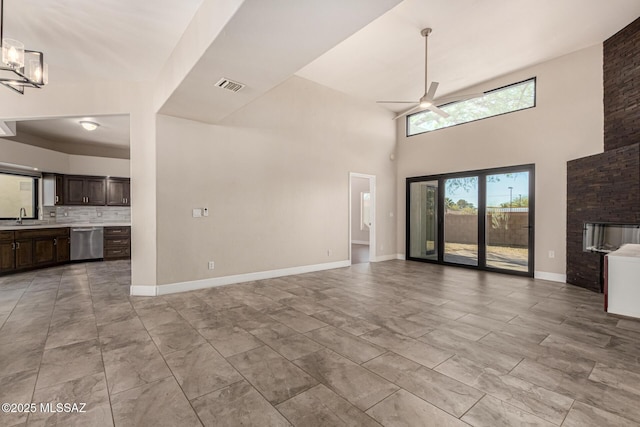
(438, 111)
(457, 98)
(432, 90)
(404, 113)
(395, 102)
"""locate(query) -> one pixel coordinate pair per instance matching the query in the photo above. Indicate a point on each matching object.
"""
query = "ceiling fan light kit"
(428, 101)
(20, 67)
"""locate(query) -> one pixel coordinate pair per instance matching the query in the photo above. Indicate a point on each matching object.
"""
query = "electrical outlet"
(205, 211)
(52, 214)
(328, 252)
(211, 265)
(552, 254)
(99, 214)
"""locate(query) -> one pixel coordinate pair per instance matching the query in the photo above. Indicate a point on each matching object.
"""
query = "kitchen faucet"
(23, 213)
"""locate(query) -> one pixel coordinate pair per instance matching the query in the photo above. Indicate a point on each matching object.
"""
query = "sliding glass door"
(461, 220)
(482, 219)
(423, 215)
(507, 221)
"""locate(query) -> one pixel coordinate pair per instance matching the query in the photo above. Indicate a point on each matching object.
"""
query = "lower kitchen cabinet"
(117, 243)
(24, 253)
(25, 249)
(7, 251)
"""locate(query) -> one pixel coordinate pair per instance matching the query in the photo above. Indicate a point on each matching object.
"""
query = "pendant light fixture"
(19, 67)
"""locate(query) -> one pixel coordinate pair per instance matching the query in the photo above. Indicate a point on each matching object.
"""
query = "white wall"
(275, 177)
(567, 123)
(358, 186)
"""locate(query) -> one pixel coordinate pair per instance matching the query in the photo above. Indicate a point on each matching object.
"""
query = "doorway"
(361, 218)
(481, 219)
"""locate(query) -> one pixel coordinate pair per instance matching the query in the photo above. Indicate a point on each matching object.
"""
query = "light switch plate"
(197, 213)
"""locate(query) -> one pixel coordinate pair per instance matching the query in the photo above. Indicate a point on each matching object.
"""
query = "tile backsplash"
(86, 214)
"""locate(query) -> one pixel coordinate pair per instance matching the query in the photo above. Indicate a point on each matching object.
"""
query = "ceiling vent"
(229, 85)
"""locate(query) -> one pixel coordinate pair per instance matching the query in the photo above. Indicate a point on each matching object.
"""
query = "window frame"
(36, 189)
(535, 101)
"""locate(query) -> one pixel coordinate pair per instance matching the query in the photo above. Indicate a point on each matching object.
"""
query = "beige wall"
(101, 166)
(55, 161)
(567, 123)
(275, 177)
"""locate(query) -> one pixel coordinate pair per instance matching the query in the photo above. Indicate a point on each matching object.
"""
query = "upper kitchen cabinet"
(53, 194)
(118, 192)
(84, 190)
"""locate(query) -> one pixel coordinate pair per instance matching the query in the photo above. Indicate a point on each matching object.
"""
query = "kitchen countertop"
(73, 225)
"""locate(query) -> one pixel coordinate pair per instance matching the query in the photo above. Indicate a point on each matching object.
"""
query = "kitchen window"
(18, 192)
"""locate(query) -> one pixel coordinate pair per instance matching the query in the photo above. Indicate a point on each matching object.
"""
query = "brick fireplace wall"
(606, 187)
(622, 88)
(600, 188)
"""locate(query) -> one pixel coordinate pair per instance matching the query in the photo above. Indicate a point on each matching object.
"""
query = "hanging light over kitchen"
(20, 67)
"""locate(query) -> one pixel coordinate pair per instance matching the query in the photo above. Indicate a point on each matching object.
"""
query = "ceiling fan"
(427, 101)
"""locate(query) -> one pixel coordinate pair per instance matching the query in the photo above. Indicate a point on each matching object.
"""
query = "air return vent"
(229, 85)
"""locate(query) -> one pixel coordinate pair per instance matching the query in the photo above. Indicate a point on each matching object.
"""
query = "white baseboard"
(401, 257)
(386, 257)
(193, 285)
(360, 242)
(553, 277)
(143, 291)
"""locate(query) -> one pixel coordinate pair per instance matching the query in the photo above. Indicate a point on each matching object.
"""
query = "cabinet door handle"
(17, 245)
(87, 199)
(55, 242)
(13, 246)
(57, 199)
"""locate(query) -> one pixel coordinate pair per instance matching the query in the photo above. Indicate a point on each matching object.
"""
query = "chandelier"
(19, 67)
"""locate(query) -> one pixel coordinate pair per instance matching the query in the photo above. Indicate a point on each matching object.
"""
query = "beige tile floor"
(391, 343)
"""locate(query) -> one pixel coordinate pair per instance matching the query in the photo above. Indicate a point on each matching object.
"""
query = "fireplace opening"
(604, 237)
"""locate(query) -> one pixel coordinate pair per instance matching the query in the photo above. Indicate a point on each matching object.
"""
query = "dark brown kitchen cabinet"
(118, 192)
(7, 251)
(44, 251)
(117, 243)
(24, 253)
(63, 250)
(84, 190)
(40, 247)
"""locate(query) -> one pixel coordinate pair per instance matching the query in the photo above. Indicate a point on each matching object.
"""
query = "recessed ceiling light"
(90, 126)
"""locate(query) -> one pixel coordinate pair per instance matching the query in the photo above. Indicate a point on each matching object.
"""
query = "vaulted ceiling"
(370, 49)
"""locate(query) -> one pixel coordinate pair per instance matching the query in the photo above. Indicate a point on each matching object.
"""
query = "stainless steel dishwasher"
(87, 243)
